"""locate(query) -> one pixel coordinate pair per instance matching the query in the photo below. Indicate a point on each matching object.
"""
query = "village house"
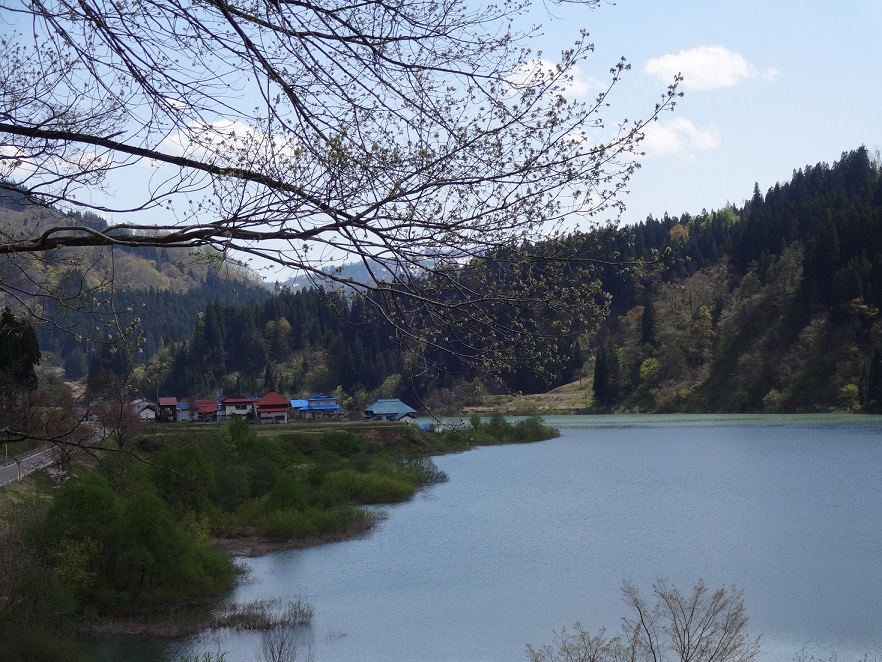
(390, 409)
(183, 412)
(144, 409)
(206, 411)
(321, 406)
(236, 406)
(297, 408)
(168, 409)
(273, 408)
(101, 410)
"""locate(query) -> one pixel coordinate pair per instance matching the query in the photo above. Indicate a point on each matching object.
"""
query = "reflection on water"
(527, 538)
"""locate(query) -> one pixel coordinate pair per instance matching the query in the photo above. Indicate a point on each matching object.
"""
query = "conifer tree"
(874, 380)
(605, 367)
(647, 324)
(19, 353)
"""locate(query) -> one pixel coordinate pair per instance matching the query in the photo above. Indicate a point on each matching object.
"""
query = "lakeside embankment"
(155, 527)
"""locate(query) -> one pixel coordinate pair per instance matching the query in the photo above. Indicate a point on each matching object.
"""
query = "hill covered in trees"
(80, 297)
(773, 306)
(768, 306)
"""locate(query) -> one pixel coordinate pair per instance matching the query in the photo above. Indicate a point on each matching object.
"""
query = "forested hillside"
(295, 342)
(770, 306)
(773, 306)
(96, 294)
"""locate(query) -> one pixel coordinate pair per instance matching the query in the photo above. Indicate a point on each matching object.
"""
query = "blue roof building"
(321, 406)
(390, 409)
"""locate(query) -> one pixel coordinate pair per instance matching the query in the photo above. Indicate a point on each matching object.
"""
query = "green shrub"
(385, 467)
(315, 475)
(849, 397)
(772, 400)
(455, 438)
(348, 486)
(315, 523)
(287, 494)
(243, 437)
(110, 553)
(650, 370)
(361, 462)
(262, 475)
(184, 477)
(424, 471)
(533, 429)
(499, 428)
(341, 442)
(305, 444)
(232, 487)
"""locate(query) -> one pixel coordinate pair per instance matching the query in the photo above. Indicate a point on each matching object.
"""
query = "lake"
(527, 538)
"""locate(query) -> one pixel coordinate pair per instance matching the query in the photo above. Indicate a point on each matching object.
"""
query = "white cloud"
(199, 140)
(535, 72)
(18, 165)
(14, 165)
(234, 143)
(676, 136)
(703, 68)
(771, 75)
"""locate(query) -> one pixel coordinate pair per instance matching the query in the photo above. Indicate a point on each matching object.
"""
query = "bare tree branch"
(422, 137)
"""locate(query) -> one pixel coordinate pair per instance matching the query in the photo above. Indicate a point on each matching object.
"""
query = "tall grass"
(350, 486)
(314, 523)
(264, 614)
(207, 656)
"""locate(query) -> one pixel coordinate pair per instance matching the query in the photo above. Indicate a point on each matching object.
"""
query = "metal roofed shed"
(390, 409)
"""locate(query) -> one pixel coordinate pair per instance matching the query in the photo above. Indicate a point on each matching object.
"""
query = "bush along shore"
(135, 536)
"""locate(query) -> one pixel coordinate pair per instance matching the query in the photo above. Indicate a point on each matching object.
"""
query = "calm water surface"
(526, 538)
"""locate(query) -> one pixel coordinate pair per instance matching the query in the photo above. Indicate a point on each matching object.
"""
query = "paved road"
(29, 465)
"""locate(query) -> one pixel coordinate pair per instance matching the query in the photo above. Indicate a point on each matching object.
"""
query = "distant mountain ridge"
(770, 306)
(358, 272)
(165, 289)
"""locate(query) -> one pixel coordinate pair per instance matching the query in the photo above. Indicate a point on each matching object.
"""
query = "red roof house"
(273, 408)
(207, 410)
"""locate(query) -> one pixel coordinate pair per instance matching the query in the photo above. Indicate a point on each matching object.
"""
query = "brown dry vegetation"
(573, 398)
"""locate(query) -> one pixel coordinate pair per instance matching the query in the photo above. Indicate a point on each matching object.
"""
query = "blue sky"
(770, 86)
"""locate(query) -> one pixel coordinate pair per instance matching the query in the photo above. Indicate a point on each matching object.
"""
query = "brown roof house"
(168, 409)
(237, 406)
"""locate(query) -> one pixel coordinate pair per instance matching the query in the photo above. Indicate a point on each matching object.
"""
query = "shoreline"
(252, 545)
(190, 619)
